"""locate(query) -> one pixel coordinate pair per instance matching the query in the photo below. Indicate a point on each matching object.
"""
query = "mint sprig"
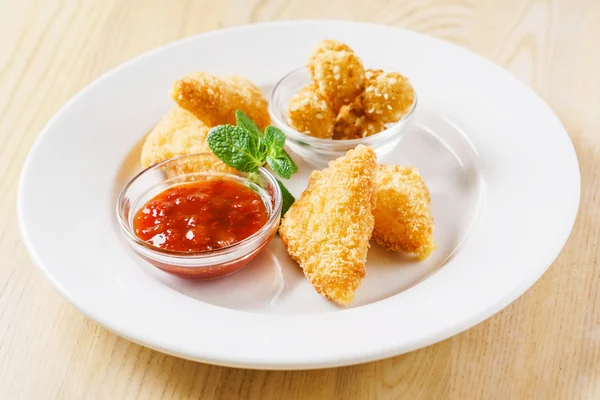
(287, 198)
(236, 147)
(277, 158)
(244, 122)
(246, 148)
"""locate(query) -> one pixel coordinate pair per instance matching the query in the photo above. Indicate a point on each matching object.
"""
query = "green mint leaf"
(282, 164)
(274, 139)
(277, 158)
(287, 198)
(244, 122)
(236, 147)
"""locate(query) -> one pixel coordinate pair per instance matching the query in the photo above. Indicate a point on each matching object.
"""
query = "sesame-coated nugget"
(403, 220)
(179, 133)
(215, 99)
(310, 114)
(388, 96)
(329, 45)
(339, 76)
(353, 123)
(327, 230)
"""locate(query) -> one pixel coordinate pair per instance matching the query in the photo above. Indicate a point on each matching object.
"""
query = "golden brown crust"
(388, 96)
(327, 230)
(214, 100)
(179, 133)
(403, 220)
(353, 123)
(328, 45)
(310, 114)
(337, 72)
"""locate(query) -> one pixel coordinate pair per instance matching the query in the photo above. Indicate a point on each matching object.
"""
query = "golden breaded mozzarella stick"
(214, 100)
(180, 133)
(327, 230)
(403, 220)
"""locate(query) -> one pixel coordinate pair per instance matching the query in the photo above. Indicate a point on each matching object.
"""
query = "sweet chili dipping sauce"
(201, 216)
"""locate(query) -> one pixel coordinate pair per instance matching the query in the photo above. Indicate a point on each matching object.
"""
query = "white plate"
(501, 169)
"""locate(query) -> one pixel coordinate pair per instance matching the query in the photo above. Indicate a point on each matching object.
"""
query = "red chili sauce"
(201, 216)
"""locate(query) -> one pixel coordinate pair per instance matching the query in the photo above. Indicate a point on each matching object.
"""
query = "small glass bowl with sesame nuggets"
(333, 104)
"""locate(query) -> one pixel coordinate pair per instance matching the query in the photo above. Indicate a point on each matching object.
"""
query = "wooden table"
(546, 345)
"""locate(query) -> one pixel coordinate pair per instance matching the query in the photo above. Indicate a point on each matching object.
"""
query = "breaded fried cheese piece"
(180, 133)
(327, 230)
(353, 123)
(328, 45)
(310, 114)
(214, 99)
(403, 220)
(338, 73)
(388, 96)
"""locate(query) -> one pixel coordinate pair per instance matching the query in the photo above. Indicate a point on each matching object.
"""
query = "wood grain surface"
(546, 345)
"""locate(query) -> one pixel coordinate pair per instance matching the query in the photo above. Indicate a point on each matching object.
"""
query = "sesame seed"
(341, 54)
(369, 89)
(392, 81)
(211, 91)
(337, 77)
(385, 96)
(369, 75)
(336, 69)
(319, 116)
(389, 107)
(323, 106)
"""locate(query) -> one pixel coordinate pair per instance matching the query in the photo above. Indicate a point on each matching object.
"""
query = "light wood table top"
(546, 345)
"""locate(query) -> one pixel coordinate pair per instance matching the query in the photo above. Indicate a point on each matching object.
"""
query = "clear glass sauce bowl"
(196, 265)
(319, 151)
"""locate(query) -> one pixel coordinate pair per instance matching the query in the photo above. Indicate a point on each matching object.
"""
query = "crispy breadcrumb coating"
(310, 114)
(327, 230)
(353, 123)
(338, 74)
(215, 99)
(179, 133)
(328, 45)
(388, 96)
(403, 220)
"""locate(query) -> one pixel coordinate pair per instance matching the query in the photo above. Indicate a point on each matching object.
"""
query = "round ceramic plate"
(501, 169)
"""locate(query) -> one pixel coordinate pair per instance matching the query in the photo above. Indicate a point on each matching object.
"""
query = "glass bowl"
(319, 151)
(199, 265)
